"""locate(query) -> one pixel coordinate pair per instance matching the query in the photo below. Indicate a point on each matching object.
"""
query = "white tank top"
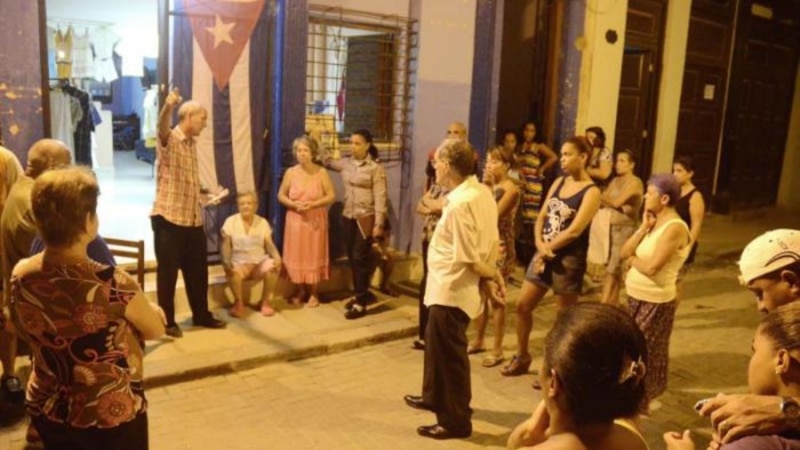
(660, 288)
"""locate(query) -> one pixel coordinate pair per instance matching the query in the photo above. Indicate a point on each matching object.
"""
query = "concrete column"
(601, 66)
(443, 88)
(676, 34)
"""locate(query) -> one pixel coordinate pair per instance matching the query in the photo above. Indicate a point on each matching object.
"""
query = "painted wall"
(442, 94)
(20, 76)
(396, 7)
(676, 34)
(601, 66)
(790, 183)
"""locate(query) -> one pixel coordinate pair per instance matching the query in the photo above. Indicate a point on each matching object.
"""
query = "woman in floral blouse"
(85, 323)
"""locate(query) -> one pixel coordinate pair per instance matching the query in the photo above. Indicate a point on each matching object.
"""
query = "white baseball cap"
(769, 252)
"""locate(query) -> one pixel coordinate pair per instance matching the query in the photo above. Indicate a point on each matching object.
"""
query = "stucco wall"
(20, 76)
(789, 189)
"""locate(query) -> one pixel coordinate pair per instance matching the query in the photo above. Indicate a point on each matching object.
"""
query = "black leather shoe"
(211, 322)
(174, 331)
(416, 402)
(13, 390)
(439, 432)
(356, 311)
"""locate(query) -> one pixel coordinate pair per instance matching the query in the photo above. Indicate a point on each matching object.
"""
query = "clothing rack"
(56, 21)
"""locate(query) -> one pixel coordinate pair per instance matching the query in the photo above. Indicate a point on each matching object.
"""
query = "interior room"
(106, 51)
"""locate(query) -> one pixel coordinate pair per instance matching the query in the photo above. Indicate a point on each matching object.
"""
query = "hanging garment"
(84, 128)
(52, 68)
(82, 56)
(61, 118)
(104, 41)
(132, 57)
(64, 53)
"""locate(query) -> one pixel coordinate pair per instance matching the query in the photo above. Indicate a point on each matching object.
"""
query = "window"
(359, 75)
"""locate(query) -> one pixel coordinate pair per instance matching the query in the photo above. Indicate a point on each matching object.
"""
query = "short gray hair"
(459, 154)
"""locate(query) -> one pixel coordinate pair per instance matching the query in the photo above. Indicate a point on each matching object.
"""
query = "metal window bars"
(360, 74)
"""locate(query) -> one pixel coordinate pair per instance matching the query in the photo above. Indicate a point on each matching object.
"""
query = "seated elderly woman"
(773, 371)
(593, 378)
(246, 240)
(84, 322)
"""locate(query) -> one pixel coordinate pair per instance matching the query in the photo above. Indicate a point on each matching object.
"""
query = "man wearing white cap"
(770, 268)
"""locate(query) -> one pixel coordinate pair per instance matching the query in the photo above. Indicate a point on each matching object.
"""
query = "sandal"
(313, 302)
(237, 311)
(518, 365)
(492, 360)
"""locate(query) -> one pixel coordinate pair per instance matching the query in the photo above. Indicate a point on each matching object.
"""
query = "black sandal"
(418, 344)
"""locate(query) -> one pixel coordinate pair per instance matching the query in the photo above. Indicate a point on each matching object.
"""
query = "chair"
(124, 248)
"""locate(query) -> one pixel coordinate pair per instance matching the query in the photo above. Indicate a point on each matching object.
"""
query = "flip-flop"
(492, 360)
(517, 366)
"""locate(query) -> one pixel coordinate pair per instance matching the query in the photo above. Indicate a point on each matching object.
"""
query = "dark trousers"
(362, 259)
(181, 248)
(423, 310)
(128, 436)
(446, 384)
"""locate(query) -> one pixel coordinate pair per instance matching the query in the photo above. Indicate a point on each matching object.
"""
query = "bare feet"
(313, 302)
(266, 309)
(237, 310)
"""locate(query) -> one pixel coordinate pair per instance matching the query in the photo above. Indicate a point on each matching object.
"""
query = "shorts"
(252, 271)
(564, 274)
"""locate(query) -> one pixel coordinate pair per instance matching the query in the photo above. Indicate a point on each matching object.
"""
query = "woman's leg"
(236, 282)
(499, 318)
(611, 289)
(529, 297)
(481, 321)
(313, 299)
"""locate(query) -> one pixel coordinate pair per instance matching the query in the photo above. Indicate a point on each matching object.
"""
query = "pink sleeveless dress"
(305, 239)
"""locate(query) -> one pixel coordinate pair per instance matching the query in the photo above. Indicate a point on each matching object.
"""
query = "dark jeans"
(423, 310)
(128, 436)
(361, 256)
(446, 384)
(181, 248)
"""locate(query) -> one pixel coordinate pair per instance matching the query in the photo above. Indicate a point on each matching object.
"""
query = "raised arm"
(549, 157)
(673, 239)
(165, 117)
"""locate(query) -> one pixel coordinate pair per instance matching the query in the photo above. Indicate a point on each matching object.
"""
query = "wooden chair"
(124, 248)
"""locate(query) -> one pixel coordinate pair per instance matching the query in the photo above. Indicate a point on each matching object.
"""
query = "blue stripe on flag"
(182, 51)
(223, 143)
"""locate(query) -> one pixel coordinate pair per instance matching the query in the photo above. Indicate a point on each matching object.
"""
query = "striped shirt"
(178, 181)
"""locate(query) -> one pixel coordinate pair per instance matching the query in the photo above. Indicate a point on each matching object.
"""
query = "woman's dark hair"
(505, 133)
(782, 326)
(582, 145)
(686, 162)
(629, 152)
(599, 356)
(372, 150)
(537, 138)
(600, 135)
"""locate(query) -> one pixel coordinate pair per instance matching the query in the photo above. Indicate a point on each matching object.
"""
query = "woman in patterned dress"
(306, 191)
(533, 160)
(498, 162)
(85, 323)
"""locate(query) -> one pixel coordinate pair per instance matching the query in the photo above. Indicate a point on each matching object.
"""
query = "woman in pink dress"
(306, 191)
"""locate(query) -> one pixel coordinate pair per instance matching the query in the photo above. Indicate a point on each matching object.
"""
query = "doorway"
(638, 96)
(102, 59)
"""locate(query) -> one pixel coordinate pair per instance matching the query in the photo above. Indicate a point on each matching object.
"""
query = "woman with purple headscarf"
(656, 252)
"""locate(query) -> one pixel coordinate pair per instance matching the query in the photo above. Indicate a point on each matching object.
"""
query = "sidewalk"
(297, 333)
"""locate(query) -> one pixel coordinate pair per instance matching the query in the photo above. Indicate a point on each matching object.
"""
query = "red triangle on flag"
(221, 30)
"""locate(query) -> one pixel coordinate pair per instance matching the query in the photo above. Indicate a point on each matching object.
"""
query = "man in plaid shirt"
(179, 237)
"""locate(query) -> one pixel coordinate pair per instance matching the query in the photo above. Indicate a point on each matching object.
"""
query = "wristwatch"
(790, 410)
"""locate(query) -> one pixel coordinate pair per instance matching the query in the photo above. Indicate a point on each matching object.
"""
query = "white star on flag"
(221, 31)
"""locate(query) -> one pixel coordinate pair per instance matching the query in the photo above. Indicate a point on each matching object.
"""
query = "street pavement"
(353, 399)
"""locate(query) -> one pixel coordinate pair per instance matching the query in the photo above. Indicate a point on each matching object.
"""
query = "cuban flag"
(220, 58)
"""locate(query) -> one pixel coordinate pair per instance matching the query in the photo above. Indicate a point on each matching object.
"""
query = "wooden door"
(759, 105)
(638, 97)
